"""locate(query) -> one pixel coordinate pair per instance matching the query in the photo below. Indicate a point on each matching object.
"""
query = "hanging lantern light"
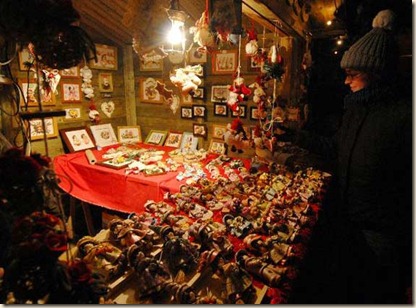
(176, 35)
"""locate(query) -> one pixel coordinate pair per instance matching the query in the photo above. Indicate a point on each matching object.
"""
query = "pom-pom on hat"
(376, 51)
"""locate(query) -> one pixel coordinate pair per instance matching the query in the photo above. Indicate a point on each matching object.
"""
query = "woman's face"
(357, 80)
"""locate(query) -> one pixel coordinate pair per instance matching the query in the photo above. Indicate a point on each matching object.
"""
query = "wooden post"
(129, 85)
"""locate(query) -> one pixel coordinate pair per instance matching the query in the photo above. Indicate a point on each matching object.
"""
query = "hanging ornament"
(108, 108)
(93, 113)
(252, 45)
(174, 103)
(202, 35)
(51, 79)
(238, 91)
(236, 136)
(86, 86)
(163, 91)
(186, 78)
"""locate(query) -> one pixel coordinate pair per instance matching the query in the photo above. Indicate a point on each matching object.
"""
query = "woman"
(373, 149)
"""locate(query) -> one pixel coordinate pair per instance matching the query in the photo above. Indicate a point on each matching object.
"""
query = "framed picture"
(36, 128)
(199, 111)
(71, 92)
(186, 113)
(219, 93)
(196, 56)
(151, 62)
(148, 92)
(103, 134)
(224, 62)
(129, 134)
(173, 139)
(241, 112)
(25, 57)
(189, 142)
(105, 82)
(254, 114)
(217, 147)
(156, 137)
(29, 92)
(199, 93)
(72, 113)
(254, 64)
(218, 131)
(200, 130)
(76, 139)
(220, 109)
(72, 72)
(106, 58)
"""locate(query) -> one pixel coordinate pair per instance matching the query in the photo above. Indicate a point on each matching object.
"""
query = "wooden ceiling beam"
(104, 22)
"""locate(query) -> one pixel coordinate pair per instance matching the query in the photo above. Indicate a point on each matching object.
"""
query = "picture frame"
(106, 58)
(199, 111)
(105, 82)
(151, 62)
(72, 113)
(104, 135)
(219, 93)
(189, 142)
(25, 57)
(156, 137)
(218, 131)
(71, 92)
(186, 112)
(36, 128)
(224, 62)
(76, 139)
(220, 109)
(196, 56)
(129, 134)
(29, 92)
(254, 114)
(200, 130)
(148, 92)
(173, 139)
(217, 147)
(253, 64)
(240, 113)
(198, 93)
(72, 72)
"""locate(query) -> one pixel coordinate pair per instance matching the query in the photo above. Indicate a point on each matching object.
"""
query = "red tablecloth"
(111, 188)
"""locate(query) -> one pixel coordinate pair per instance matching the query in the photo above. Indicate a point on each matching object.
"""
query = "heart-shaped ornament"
(108, 108)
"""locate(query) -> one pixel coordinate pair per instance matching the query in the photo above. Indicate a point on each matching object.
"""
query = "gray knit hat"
(377, 50)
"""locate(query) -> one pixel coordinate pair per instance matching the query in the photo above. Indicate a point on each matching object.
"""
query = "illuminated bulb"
(329, 22)
(175, 35)
(339, 42)
(336, 52)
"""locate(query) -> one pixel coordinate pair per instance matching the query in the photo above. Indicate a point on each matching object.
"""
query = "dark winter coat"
(373, 148)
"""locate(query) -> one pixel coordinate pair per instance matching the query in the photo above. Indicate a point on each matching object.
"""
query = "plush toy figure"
(186, 78)
(252, 46)
(93, 114)
(236, 137)
(238, 92)
(202, 35)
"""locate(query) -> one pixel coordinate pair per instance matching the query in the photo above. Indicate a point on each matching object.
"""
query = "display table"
(112, 188)
(228, 226)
